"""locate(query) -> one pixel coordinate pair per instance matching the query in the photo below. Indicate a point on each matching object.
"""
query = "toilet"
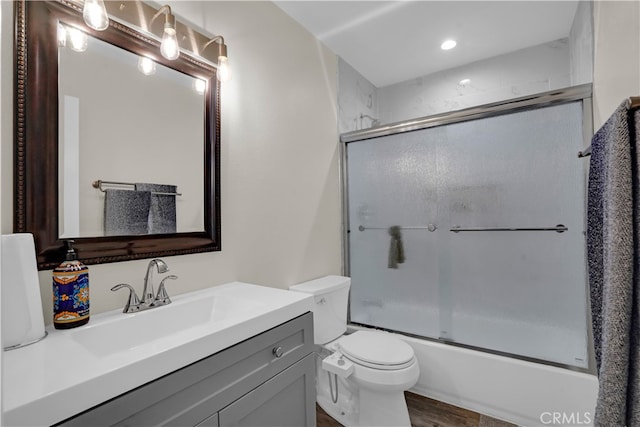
(361, 377)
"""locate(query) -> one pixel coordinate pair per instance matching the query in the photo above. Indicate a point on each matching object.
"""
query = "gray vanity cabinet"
(267, 380)
(281, 401)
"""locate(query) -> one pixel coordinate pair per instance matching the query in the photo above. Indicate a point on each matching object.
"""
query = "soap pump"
(70, 291)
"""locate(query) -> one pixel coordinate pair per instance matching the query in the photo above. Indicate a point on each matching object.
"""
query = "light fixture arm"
(214, 39)
(169, 17)
(222, 48)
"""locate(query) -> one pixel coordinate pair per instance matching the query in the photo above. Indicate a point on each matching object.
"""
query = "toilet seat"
(376, 350)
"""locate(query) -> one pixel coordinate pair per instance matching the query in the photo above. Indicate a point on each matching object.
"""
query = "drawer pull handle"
(278, 352)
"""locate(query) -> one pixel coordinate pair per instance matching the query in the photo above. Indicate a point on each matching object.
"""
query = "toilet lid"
(376, 348)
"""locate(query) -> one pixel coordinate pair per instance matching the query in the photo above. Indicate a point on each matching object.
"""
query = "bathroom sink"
(116, 352)
(176, 322)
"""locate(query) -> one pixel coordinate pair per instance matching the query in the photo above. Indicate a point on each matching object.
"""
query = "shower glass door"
(394, 182)
(453, 189)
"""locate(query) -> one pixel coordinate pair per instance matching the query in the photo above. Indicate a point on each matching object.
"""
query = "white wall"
(616, 74)
(527, 71)
(280, 191)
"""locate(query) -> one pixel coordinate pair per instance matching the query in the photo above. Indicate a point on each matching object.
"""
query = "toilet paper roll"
(22, 319)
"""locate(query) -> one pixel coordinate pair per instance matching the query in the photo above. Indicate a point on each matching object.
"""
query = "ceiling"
(393, 41)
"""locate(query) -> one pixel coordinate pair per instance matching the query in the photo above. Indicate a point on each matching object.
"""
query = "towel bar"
(633, 103)
(560, 228)
(430, 227)
(98, 184)
(584, 153)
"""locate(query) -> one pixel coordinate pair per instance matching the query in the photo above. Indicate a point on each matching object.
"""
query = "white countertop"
(73, 370)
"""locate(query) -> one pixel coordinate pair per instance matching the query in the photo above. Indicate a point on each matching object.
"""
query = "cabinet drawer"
(195, 392)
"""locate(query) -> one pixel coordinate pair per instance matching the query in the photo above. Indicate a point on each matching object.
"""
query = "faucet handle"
(133, 303)
(162, 297)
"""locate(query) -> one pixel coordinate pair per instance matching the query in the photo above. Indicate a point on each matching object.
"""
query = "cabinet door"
(288, 399)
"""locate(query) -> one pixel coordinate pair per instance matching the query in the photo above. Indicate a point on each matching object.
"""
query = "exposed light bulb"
(448, 44)
(79, 40)
(95, 14)
(200, 86)
(146, 66)
(224, 72)
(169, 47)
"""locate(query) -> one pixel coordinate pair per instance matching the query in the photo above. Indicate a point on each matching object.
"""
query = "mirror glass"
(126, 121)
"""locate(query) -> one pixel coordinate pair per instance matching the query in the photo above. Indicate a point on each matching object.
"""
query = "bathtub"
(513, 390)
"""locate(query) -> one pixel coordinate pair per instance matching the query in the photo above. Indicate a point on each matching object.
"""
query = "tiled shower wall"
(553, 65)
(523, 72)
(356, 96)
(581, 42)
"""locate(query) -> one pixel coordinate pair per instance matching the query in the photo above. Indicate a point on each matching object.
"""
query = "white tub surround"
(73, 370)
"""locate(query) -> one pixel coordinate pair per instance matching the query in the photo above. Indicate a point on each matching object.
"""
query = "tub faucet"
(148, 296)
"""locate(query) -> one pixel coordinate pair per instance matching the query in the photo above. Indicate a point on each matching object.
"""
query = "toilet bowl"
(361, 377)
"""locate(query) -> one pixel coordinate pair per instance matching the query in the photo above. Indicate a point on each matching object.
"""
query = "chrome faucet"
(149, 299)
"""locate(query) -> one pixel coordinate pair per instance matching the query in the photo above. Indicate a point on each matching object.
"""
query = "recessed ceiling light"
(464, 82)
(448, 44)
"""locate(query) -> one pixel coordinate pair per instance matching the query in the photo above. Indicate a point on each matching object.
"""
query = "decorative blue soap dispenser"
(70, 291)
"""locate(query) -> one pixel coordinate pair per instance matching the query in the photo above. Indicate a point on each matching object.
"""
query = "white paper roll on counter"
(22, 319)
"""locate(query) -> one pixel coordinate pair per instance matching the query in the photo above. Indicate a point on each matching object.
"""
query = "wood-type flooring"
(425, 412)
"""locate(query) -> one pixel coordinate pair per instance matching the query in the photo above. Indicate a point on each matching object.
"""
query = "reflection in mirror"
(124, 118)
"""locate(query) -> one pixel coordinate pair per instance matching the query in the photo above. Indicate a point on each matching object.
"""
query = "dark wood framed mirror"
(37, 182)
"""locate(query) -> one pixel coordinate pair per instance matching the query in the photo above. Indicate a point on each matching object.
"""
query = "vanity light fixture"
(95, 15)
(224, 72)
(448, 44)
(146, 66)
(169, 47)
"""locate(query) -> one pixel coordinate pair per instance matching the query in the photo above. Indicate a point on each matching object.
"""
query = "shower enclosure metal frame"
(531, 102)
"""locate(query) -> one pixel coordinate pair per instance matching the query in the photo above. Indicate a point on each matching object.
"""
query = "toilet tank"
(330, 311)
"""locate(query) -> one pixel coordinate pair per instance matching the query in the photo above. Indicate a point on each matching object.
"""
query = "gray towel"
(126, 212)
(162, 214)
(396, 248)
(613, 233)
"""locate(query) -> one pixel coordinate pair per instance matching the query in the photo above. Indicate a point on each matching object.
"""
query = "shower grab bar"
(560, 228)
(98, 184)
(430, 227)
